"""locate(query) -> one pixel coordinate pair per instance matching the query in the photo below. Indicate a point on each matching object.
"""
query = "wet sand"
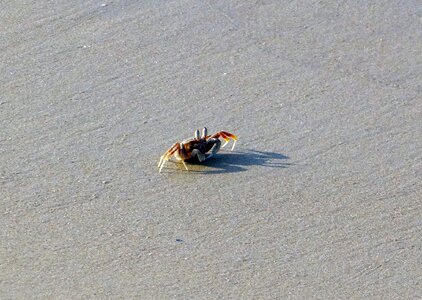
(321, 197)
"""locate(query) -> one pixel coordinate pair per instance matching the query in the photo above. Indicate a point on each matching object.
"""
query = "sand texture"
(321, 198)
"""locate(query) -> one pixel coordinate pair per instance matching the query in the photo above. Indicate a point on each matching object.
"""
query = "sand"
(321, 198)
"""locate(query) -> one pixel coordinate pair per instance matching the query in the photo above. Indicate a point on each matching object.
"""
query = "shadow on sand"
(233, 162)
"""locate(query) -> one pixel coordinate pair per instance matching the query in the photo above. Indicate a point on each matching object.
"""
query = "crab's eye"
(197, 134)
(204, 132)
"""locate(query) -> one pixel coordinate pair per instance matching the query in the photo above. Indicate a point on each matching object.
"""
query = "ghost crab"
(196, 148)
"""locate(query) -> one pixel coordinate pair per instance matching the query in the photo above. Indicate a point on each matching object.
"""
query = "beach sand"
(321, 198)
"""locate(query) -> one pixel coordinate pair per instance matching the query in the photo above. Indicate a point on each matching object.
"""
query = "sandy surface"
(320, 199)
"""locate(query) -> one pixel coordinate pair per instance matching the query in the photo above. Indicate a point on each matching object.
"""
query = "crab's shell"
(187, 146)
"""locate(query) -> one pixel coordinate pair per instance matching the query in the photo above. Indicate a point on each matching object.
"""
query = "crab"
(196, 148)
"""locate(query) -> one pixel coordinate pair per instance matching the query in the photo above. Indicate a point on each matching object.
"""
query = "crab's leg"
(165, 159)
(232, 136)
(172, 151)
(166, 156)
(179, 155)
(166, 153)
(226, 136)
(186, 167)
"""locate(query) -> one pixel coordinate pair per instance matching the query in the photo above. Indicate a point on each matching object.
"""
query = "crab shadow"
(233, 162)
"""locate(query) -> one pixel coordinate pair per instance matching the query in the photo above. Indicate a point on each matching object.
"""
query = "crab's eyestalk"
(197, 134)
(204, 132)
